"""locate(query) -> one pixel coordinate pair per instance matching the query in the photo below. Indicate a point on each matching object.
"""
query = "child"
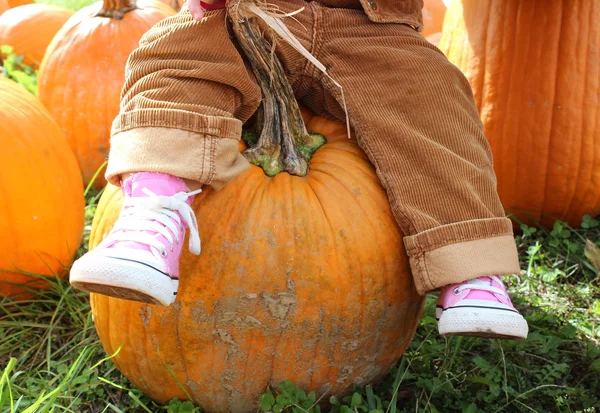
(188, 91)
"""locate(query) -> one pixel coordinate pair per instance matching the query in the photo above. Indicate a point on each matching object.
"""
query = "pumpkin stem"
(284, 144)
(116, 9)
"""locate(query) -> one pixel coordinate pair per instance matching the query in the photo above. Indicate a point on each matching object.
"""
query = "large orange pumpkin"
(16, 3)
(81, 77)
(300, 278)
(41, 193)
(3, 6)
(29, 29)
(174, 4)
(434, 38)
(534, 66)
(433, 16)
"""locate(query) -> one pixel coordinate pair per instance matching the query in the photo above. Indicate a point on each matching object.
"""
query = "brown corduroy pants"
(188, 91)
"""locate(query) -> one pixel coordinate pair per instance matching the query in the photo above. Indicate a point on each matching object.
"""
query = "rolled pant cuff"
(204, 158)
(458, 252)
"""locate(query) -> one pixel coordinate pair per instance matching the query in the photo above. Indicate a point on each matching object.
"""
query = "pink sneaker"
(479, 307)
(139, 259)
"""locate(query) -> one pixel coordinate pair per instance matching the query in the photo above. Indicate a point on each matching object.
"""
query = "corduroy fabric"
(413, 113)
(385, 11)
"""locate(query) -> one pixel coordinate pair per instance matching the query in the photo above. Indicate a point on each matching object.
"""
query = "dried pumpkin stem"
(116, 9)
(284, 144)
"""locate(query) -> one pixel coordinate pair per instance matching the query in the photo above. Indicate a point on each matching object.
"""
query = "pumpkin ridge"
(366, 213)
(481, 95)
(581, 136)
(553, 119)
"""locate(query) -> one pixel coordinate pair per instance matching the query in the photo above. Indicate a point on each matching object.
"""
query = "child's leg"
(415, 117)
(186, 95)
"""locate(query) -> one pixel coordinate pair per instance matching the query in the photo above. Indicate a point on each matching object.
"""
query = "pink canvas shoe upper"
(484, 289)
(156, 212)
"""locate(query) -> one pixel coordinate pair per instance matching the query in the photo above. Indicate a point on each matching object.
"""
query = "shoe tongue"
(480, 295)
(158, 183)
(476, 294)
(480, 281)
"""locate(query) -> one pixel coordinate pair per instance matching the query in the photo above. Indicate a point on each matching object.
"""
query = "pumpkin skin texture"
(433, 16)
(17, 26)
(300, 278)
(538, 94)
(3, 6)
(83, 72)
(434, 38)
(174, 4)
(41, 193)
(16, 3)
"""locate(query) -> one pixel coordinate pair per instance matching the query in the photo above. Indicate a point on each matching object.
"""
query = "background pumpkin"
(174, 4)
(16, 3)
(433, 16)
(29, 29)
(434, 38)
(41, 192)
(300, 278)
(82, 75)
(534, 67)
(3, 6)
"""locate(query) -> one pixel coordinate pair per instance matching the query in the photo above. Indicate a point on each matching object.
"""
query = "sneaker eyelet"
(456, 291)
(164, 253)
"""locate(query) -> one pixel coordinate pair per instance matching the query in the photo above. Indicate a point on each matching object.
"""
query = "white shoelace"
(157, 214)
(477, 284)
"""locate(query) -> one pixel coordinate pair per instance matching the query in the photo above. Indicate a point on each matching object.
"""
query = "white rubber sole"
(482, 322)
(123, 278)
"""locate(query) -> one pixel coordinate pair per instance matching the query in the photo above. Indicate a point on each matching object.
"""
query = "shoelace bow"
(478, 284)
(158, 214)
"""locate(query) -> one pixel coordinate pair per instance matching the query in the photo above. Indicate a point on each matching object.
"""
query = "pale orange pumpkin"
(81, 77)
(300, 278)
(3, 6)
(538, 92)
(174, 4)
(17, 3)
(41, 193)
(434, 38)
(433, 16)
(29, 29)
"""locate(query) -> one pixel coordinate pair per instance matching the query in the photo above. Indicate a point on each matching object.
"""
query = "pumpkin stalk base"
(116, 9)
(284, 144)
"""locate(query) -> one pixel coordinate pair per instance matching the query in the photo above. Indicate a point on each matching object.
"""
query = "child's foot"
(139, 259)
(479, 307)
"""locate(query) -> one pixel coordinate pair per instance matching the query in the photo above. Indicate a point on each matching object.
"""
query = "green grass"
(12, 67)
(52, 360)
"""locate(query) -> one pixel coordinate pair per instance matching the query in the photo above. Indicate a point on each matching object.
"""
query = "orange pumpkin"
(434, 38)
(174, 4)
(81, 77)
(300, 278)
(17, 3)
(3, 6)
(29, 29)
(538, 93)
(433, 16)
(41, 193)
